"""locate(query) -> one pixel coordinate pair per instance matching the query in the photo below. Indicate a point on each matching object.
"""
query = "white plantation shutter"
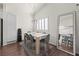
(46, 23)
(42, 24)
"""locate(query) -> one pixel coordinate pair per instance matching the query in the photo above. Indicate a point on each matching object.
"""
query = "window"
(46, 24)
(39, 24)
(42, 24)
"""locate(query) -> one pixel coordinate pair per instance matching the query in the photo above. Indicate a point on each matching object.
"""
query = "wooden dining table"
(38, 37)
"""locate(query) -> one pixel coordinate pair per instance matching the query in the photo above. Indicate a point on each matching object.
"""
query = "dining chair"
(26, 36)
(32, 40)
(70, 40)
(33, 50)
(65, 40)
(45, 44)
(26, 39)
(28, 43)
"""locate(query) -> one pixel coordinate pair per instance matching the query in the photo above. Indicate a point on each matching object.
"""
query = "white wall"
(52, 11)
(9, 28)
(24, 21)
(9, 25)
(1, 7)
(1, 10)
(23, 16)
(15, 16)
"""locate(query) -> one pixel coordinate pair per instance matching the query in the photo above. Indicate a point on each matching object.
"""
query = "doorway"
(1, 32)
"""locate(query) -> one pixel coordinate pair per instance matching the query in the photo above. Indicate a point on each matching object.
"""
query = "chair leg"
(46, 50)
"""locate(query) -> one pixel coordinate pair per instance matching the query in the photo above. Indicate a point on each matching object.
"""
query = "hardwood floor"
(16, 49)
(12, 50)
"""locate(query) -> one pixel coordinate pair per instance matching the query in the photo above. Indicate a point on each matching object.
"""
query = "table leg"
(37, 46)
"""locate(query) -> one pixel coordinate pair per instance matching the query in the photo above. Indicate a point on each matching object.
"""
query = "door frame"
(1, 32)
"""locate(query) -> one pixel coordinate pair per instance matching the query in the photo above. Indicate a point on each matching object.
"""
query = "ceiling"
(29, 7)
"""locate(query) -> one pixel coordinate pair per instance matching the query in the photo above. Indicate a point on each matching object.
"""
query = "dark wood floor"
(16, 49)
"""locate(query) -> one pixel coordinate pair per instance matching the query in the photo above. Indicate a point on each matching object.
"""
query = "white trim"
(66, 51)
(74, 17)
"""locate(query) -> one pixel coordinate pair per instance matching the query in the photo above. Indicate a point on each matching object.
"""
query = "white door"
(11, 28)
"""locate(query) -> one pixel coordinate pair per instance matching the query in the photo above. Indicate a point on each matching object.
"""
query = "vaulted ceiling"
(29, 7)
(24, 7)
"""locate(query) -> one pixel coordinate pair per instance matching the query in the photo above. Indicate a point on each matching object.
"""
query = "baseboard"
(4, 43)
(10, 42)
(52, 44)
(59, 49)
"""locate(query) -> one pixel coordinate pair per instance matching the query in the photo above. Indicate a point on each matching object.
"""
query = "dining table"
(38, 37)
